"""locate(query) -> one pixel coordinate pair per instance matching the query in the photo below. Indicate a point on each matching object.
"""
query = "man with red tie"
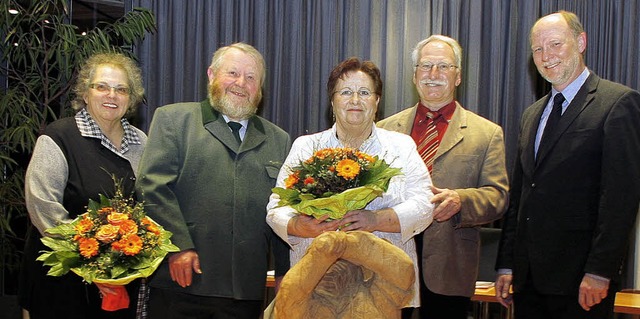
(465, 156)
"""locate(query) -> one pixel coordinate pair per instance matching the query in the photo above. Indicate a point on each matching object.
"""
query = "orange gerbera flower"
(130, 245)
(348, 168)
(151, 226)
(292, 180)
(88, 247)
(84, 225)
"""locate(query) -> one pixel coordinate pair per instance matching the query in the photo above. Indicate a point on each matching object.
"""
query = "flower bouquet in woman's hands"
(334, 181)
(114, 242)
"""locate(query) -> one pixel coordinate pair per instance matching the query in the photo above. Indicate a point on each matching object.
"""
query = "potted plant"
(40, 55)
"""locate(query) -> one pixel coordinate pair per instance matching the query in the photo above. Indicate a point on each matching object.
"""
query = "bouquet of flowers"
(334, 181)
(112, 243)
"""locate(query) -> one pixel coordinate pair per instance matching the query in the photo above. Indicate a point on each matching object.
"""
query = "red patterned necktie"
(428, 145)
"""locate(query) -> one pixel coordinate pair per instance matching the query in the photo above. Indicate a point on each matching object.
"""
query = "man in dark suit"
(468, 170)
(209, 182)
(575, 188)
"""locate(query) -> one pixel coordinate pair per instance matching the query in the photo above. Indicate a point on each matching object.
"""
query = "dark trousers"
(531, 304)
(169, 304)
(436, 306)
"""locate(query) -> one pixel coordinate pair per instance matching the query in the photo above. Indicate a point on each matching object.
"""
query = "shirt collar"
(244, 122)
(89, 128)
(446, 112)
(333, 138)
(572, 89)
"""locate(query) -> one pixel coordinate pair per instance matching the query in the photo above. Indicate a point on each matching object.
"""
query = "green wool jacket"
(212, 195)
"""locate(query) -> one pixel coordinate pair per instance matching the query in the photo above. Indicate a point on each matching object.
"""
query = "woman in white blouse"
(404, 210)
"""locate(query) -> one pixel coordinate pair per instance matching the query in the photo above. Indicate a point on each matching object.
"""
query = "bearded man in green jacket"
(206, 176)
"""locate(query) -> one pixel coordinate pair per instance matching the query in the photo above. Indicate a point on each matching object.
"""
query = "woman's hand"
(308, 226)
(384, 220)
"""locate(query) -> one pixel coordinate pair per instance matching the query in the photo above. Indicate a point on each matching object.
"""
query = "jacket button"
(533, 185)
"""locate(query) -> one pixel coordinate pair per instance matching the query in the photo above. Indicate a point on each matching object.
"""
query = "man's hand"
(592, 291)
(503, 290)
(447, 203)
(182, 265)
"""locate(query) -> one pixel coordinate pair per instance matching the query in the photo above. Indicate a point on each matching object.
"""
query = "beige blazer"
(470, 160)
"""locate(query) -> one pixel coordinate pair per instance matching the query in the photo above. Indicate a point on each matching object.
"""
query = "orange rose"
(128, 227)
(88, 247)
(107, 233)
(348, 169)
(116, 218)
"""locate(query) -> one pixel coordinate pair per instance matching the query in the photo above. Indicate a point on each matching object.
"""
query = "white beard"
(234, 110)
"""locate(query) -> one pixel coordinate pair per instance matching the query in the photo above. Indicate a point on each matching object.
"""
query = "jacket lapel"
(404, 123)
(453, 135)
(583, 98)
(255, 135)
(217, 126)
(529, 130)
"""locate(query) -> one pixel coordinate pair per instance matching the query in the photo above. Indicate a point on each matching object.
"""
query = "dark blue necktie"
(235, 129)
(554, 117)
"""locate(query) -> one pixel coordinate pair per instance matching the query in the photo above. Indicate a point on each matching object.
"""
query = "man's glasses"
(106, 88)
(442, 67)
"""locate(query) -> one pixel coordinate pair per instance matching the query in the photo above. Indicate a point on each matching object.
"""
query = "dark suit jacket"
(470, 160)
(571, 211)
(212, 195)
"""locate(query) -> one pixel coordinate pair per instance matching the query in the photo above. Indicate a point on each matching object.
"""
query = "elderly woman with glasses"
(74, 160)
(404, 210)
